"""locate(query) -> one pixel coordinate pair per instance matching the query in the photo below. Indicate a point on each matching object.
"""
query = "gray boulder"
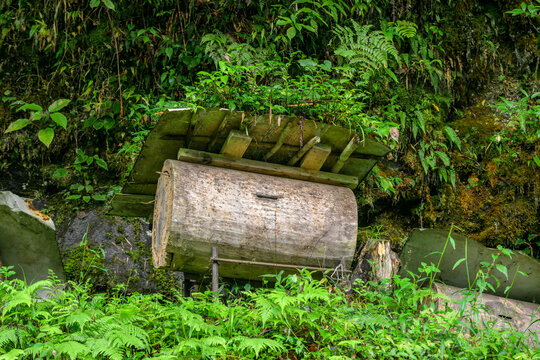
(27, 239)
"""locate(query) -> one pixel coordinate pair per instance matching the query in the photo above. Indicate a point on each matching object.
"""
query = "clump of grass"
(296, 317)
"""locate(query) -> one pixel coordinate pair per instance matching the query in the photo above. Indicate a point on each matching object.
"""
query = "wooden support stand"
(215, 259)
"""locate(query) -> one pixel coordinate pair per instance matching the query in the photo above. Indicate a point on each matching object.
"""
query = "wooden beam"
(132, 205)
(260, 167)
(316, 157)
(307, 146)
(351, 146)
(279, 142)
(236, 144)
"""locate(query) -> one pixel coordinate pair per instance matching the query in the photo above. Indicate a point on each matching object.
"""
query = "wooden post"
(351, 146)
(215, 271)
(312, 142)
(279, 142)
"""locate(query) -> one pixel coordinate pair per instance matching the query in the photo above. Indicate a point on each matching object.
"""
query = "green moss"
(164, 282)
(86, 264)
(134, 255)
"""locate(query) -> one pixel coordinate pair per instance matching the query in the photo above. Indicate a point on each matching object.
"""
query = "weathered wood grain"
(249, 216)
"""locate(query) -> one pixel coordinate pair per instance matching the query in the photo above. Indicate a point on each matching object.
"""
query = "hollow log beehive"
(249, 216)
(258, 188)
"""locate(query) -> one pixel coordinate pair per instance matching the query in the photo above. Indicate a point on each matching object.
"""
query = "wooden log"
(316, 157)
(248, 216)
(307, 146)
(236, 144)
(426, 246)
(503, 313)
(279, 141)
(351, 146)
(261, 167)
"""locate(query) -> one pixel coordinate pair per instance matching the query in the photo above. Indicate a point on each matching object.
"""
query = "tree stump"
(376, 262)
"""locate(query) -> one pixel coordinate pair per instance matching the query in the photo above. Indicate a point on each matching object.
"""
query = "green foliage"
(366, 51)
(297, 317)
(47, 121)
(530, 10)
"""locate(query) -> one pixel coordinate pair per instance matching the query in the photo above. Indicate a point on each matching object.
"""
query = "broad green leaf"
(46, 136)
(59, 118)
(58, 105)
(60, 173)
(169, 52)
(99, 197)
(17, 125)
(34, 107)
(102, 163)
(109, 4)
(108, 123)
(94, 3)
(537, 160)
(502, 269)
(291, 32)
(73, 197)
(86, 198)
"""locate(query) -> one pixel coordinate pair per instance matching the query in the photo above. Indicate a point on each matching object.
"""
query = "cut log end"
(162, 219)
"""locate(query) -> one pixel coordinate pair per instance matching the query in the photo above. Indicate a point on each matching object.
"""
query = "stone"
(426, 245)
(121, 249)
(28, 239)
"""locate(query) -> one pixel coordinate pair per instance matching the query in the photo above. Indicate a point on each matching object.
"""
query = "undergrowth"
(298, 317)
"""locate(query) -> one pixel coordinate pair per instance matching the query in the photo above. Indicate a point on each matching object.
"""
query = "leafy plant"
(46, 120)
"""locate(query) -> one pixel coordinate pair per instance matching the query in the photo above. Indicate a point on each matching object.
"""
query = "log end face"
(162, 217)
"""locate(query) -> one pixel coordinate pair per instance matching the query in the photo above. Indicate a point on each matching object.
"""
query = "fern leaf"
(73, 349)
(8, 336)
(12, 355)
(244, 343)
(452, 136)
(79, 317)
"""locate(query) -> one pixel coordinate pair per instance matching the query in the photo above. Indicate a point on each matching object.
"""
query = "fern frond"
(73, 349)
(367, 51)
(8, 336)
(452, 136)
(244, 343)
(104, 347)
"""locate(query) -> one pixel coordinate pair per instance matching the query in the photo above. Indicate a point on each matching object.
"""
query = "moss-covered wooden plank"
(132, 205)
(236, 144)
(261, 167)
(315, 158)
(358, 167)
(206, 130)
